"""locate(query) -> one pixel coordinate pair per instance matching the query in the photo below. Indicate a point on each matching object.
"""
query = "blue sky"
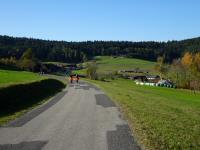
(81, 20)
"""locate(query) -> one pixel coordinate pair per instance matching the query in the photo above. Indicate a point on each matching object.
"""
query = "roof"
(153, 76)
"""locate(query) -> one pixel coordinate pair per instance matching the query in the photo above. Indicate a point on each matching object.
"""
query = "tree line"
(185, 71)
(72, 52)
(26, 62)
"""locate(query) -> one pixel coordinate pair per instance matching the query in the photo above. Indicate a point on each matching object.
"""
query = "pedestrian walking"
(71, 79)
(77, 78)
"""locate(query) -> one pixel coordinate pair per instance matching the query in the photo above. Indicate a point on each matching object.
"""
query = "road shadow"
(103, 100)
(33, 145)
(35, 112)
(121, 139)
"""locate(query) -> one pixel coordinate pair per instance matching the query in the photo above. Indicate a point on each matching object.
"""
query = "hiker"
(71, 78)
(77, 78)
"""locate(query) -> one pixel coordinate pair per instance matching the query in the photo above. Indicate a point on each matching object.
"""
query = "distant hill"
(63, 51)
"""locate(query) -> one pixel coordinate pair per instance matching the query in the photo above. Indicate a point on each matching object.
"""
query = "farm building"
(148, 78)
(133, 71)
(140, 78)
(153, 79)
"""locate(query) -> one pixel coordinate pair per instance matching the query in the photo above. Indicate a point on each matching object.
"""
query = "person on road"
(71, 79)
(77, 78)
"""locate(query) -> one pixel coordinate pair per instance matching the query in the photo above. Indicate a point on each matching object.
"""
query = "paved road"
(81, 117)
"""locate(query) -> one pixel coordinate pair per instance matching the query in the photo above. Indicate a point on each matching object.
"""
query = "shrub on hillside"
(92, 71)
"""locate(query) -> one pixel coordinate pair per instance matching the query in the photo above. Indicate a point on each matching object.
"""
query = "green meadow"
(161, 118)
(108, 64)
(9, 77)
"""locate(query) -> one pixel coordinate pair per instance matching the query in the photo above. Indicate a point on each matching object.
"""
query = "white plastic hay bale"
(152, 84)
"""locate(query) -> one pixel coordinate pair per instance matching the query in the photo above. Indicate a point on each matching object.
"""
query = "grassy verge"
(18, 99)
(10, 77)
(160, 118)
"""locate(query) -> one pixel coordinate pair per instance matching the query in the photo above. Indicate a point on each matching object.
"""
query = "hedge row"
(18, 97)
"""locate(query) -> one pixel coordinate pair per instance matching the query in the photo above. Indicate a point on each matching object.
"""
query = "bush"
(101, 77)
(92, 71)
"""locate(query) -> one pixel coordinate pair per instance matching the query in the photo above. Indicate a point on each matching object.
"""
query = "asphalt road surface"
(81, 117)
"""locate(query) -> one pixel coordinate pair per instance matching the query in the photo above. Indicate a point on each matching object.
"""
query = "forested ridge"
(46, 50)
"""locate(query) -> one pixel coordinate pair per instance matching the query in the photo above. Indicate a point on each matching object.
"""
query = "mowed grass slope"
(161, 118)
(9, 77)
(108, 63)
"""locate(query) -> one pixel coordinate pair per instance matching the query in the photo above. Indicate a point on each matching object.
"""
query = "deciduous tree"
(28, 61)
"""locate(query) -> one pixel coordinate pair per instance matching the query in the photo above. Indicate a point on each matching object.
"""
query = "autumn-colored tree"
(197, 62)
(8, 61)
(187, 62)
(195, 84)
(185, 72)
(177, 74)
(160, 66)
(187, 59)
(13, 61)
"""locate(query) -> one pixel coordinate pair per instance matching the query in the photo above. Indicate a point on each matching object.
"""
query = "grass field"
(107, 63)
(110, 64)
(8, 77)
(160, 118)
